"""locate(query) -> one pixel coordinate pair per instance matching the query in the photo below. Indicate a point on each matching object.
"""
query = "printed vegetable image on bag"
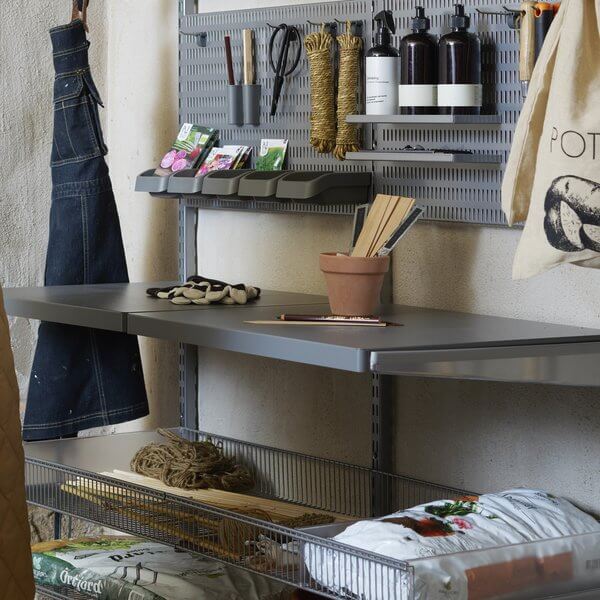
(553, 173)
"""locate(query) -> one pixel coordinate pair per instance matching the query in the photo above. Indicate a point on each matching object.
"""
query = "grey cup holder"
(185, 182)
(260, 184)
(148, 181)
(328, 188)
(223, 183)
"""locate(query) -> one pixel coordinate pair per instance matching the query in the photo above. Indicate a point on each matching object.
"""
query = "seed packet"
(272, 155)
(188, 150)
(243, 158)
(221, 159)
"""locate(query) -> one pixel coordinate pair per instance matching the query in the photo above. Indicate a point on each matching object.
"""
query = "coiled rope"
(191, 465)
(347, 100)
(322, 118)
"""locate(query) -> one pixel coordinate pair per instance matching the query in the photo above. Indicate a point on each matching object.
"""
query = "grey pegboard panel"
(203, 76)
(458, 193)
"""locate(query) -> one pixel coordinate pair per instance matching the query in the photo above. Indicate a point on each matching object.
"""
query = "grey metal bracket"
(382, 398)
(188, 354)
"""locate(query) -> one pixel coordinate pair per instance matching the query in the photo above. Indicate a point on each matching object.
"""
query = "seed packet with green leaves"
(272, 155)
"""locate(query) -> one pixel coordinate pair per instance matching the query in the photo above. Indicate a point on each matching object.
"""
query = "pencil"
(229, 60)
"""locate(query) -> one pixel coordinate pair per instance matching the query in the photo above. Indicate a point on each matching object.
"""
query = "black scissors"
(291, 35)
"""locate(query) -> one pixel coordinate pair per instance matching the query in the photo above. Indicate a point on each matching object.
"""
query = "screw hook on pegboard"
(513, 16)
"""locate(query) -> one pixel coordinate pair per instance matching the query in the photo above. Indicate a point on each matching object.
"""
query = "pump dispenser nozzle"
(420, 22)
(385, 25)
(460, 21)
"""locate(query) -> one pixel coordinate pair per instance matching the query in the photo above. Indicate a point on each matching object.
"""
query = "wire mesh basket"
(243, 538)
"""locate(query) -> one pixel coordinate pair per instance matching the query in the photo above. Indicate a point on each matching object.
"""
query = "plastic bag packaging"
(117, 568)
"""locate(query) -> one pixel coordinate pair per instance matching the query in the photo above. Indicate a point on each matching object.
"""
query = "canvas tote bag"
(553, 172)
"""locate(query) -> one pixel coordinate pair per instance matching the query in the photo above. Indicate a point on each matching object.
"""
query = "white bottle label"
(382, 85)
(422, 94)
(463, 94)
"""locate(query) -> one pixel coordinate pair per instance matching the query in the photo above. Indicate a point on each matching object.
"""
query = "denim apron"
(81, 378)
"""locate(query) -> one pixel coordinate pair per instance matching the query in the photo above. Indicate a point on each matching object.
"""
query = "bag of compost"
(552, 178)
(126, 568)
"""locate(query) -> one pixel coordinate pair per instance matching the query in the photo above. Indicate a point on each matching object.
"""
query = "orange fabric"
(16, 571)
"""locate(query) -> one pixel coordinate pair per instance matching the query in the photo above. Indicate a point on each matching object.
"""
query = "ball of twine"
(191, 465)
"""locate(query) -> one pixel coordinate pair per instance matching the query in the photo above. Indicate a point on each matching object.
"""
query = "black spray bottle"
(382, 69)
(459, 88)
(417, 93)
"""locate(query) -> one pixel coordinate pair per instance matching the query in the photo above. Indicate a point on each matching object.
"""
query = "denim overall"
(81, 377)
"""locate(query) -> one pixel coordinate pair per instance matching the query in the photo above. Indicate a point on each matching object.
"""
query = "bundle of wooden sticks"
(384, 225)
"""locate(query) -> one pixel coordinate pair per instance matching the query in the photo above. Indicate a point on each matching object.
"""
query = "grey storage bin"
(251, 100)
(223, 183)
(260, 184)
(185, 182)
(328, 187)
(148, 181)
(235, 105)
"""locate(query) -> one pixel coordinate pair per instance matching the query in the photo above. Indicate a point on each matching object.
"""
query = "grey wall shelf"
(425, 337)
(266, 205)
(448, 158)
(433, 120)
(108, 305)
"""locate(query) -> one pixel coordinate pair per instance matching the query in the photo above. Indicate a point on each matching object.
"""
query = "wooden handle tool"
(527, 41)
(249, 72)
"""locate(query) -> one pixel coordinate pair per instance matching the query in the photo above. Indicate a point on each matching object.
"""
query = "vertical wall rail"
(382, 398)
(188, 354)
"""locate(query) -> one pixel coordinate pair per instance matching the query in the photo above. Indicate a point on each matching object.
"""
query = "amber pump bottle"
(459, 88)
(419, 68)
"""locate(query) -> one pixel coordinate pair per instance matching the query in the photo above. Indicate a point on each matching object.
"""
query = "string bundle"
(322, 118)
(347, 100)
(191, 465)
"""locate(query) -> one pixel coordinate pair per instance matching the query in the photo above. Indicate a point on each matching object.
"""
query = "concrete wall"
(141, 122)
(478, 435)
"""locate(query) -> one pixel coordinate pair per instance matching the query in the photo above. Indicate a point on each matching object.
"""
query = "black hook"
(512, 15)
(356, 27)
(330, 27)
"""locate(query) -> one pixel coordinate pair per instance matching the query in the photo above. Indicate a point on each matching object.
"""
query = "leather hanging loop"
(79, 11)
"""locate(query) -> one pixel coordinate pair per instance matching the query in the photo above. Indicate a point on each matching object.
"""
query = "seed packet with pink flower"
(189, 149)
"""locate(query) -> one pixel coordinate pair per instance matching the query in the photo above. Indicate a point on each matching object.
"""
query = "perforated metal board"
(203, 76)
(459, 193)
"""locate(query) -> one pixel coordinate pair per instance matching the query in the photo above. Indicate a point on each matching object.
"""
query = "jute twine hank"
(191, 465)
(322, 119)
(347, 133)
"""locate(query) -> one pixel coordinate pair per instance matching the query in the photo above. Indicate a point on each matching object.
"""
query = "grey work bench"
(421, 342)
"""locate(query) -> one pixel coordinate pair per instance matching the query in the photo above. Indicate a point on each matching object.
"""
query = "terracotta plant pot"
(353, 283)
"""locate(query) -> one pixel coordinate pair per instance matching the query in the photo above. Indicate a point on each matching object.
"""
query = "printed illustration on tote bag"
(572, 221)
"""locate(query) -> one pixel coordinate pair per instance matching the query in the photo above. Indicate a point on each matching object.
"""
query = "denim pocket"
(77, 132)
